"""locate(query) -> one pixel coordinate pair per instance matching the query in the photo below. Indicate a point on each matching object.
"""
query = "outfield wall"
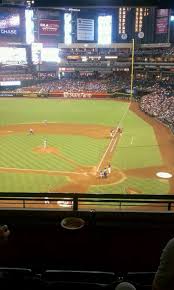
(79, 95)
(83, 95)
(61, 94)
(172, 129)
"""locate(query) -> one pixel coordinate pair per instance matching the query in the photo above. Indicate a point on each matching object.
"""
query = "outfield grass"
(14, 111)
(137, 146)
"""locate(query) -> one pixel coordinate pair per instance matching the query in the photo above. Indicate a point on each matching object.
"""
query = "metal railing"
(78, 201)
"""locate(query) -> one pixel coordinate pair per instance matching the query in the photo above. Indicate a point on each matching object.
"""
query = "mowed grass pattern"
(17, 151)
(15, 111)
(146, 186)
(13, 182)
(137, 147)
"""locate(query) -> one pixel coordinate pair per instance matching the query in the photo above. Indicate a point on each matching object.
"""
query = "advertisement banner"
(10, 83)
(80, 95)
(66, 69)
(9, 24)
(162, 25)
(77, 95)
(85, 29)
(49, 27)
(162, 12)
(7, 95)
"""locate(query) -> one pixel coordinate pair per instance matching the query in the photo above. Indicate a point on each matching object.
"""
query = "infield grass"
(137, 147)
(21, 183)
(17, 151)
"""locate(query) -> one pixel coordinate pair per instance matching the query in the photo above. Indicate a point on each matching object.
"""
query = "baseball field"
(71, 144)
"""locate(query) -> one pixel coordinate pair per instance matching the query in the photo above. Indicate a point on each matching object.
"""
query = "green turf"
(146, 186)
(13, 111)
(17, 151)
(13, 182)
(137, 146)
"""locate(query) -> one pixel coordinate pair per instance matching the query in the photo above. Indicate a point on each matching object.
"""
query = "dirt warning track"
(84, 177)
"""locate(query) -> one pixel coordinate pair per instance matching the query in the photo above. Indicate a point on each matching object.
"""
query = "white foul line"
(132, 140)
(113, 137)
(104, 155)
(113, 145)
(124, 115)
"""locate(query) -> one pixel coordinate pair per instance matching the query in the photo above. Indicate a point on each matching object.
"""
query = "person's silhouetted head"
(125, 286)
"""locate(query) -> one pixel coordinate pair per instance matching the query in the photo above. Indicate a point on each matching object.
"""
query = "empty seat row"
(22, 278)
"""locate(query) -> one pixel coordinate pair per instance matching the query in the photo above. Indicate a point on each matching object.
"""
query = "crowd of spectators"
(91, 84)
(159, 104)
(14, 77)
(115, 51)
(158, 100)
(72, 86)
(99, 55)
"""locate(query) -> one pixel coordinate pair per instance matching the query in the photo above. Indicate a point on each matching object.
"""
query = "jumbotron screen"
(9, 24)
(44, 54)
(50, 54)
(13, 56)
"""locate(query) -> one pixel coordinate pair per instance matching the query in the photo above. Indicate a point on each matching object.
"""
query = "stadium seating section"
(125, 246)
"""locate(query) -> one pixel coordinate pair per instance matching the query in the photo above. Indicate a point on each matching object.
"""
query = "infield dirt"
(83, 177)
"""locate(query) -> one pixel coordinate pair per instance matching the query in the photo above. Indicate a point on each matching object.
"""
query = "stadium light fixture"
(111, 57)
(84, 58)
(73, 9)
(172, 18)
(29, 3)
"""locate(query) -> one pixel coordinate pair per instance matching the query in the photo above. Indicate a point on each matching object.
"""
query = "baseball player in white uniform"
(45, 144)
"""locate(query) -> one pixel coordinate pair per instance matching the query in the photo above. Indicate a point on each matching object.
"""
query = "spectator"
(4, 232)
(164, 278)
(159, 104)
(125, 286)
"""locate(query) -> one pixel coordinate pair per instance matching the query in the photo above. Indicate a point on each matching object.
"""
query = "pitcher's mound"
(132, 190)
(52, 150)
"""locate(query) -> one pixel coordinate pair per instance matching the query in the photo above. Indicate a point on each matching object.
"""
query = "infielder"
(109, 169)
(31, 132)
(112, 133)
(45, 144)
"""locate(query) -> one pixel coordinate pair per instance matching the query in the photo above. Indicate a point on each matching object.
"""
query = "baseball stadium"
(85, 108)
(86, 145)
